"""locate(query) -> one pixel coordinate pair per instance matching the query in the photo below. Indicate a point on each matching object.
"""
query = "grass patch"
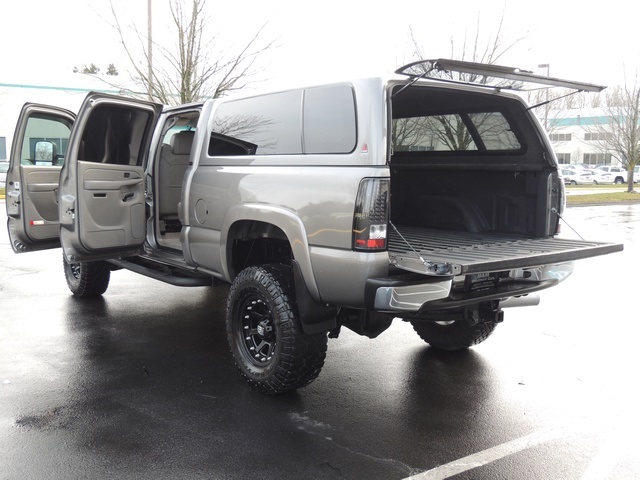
(603, 198)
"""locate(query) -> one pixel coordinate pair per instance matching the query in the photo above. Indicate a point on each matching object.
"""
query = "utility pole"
(150, 49)
(546, 106)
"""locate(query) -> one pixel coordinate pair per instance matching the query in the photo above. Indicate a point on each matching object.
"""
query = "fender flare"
(287, 221)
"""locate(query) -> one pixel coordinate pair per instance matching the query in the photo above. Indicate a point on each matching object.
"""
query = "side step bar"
(166, 275)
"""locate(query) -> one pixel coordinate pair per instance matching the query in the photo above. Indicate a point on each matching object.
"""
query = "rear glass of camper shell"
(439, 120)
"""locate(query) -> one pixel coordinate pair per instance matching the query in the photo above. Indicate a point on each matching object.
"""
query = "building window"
(560, 137)
(597, 158)
(563, 158)
(596, 137)
(3, 148)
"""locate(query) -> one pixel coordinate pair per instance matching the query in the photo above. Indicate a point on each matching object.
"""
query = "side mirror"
(44, 152)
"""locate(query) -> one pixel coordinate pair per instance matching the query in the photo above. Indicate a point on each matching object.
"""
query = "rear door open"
(102, 186)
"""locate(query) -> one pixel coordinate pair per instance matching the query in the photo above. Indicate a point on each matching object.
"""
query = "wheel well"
(256, 243)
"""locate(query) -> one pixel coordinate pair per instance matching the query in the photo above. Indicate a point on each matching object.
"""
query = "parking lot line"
(491, 454)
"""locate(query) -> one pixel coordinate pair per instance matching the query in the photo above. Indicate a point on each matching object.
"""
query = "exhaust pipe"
(530, 300)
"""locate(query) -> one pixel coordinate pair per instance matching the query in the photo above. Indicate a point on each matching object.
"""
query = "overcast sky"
(42, 40)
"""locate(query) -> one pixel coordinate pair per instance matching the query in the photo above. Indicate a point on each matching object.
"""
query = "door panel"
(115, 198)
(37, 153)
(102, 186)
(41, 202)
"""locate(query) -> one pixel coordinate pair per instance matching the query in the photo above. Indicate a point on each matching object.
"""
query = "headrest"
(181, 142)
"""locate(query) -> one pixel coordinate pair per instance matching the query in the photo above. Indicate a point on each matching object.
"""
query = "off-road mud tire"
(265, 334)
(87, 279)
(452, 332)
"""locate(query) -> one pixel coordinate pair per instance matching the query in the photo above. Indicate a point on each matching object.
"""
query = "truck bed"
(467, 253)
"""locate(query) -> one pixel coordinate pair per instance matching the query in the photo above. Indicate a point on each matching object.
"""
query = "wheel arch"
(279, 232)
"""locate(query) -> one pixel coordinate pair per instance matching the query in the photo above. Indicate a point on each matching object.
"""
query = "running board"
(166, 274)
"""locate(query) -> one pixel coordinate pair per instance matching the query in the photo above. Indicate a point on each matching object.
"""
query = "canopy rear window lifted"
(493, 76)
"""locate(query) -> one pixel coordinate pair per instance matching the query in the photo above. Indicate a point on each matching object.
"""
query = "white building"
(575, 137)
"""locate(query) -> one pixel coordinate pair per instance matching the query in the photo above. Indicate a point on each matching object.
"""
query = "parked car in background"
(576, 177)
(4, 166)
(601, 177)
(619, 174)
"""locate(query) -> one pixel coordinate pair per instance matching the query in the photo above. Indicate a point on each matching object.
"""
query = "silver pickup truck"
(419, 197)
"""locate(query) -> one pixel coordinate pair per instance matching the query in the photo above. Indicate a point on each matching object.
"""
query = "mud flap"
(314, 316)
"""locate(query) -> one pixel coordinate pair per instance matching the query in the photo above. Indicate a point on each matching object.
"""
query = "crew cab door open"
(102, 185)
(37, 156)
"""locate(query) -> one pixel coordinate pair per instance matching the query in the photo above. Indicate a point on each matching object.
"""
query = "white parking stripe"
(490, 455)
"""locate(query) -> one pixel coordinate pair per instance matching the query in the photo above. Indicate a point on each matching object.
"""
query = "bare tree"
(618, 131)
(186, 71)
(450, 130)
(473, 49)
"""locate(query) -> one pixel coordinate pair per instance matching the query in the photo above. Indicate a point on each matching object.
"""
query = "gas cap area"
(202, 211)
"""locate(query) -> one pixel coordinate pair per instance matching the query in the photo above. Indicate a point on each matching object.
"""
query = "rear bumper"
(417, 293)
(404, 293)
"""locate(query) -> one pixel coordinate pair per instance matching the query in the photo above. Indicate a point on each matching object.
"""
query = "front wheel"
(265, 334)
(87, 279)
(453, 332)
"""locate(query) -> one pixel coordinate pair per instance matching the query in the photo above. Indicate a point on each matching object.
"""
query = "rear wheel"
(453, 332)
(265, 334)
(87, 279)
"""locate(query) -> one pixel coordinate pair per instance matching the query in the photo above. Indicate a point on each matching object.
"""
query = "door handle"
(127, 196)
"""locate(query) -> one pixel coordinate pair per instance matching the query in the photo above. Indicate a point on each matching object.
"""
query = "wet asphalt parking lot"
(140, 384)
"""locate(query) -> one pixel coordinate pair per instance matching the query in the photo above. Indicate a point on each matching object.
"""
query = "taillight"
(371, 215)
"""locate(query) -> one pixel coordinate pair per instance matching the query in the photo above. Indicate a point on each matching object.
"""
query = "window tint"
(454, 132)
(115, 135)
(45, 141)
(329, 120)
(3, 148)
(272, 122)
(316, 120)
(494, 131)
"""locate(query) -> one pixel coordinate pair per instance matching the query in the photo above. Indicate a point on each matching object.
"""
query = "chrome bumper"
(411, 297)
(411, 293)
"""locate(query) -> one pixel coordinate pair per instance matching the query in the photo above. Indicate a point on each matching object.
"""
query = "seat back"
(174, 161)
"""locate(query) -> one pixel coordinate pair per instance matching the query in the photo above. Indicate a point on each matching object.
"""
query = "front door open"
(37, 155)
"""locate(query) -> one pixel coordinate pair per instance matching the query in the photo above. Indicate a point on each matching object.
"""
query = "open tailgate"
(460, 253)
